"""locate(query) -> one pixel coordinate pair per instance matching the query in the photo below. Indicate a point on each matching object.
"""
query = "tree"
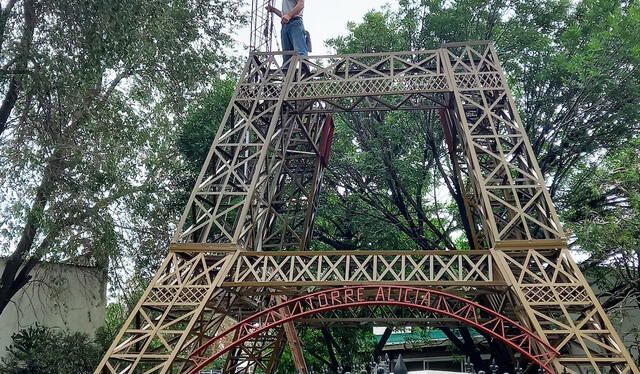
(41, 350)
(198, 128)
(90, 95)
(574, 71)
(381, 190)
(115, 316)
(331, 348)
(603, 214)
(574, 68)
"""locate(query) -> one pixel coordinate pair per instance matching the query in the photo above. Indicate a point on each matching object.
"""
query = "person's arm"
(294, 12)
(274, 10)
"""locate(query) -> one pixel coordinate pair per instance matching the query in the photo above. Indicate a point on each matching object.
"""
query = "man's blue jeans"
(293, 39)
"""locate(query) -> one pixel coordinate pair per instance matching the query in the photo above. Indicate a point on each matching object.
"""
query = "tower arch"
(458, 308)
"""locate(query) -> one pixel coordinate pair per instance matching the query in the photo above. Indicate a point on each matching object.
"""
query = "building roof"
(429, 335)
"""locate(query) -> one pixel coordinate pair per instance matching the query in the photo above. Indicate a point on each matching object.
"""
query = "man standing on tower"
(293, 34)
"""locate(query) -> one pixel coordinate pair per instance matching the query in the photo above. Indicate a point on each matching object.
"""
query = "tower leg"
(294, 343)
(158, 327)
(519, 220)
(296, 348)
(561, 307)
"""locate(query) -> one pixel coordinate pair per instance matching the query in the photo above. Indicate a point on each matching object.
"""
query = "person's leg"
(287, 45)
(296, 32)
(299, 40)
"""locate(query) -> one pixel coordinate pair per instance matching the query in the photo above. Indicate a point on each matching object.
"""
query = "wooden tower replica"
(239, 274)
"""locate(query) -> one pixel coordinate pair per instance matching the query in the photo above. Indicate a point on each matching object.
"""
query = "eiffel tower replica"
(239, 276)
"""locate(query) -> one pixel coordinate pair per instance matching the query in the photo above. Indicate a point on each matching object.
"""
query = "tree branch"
(5, 13)
(11, 97)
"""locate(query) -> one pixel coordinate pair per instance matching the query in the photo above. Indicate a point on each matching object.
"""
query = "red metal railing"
(463, 310)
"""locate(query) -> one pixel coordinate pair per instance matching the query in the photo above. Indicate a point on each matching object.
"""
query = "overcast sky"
(326, 19)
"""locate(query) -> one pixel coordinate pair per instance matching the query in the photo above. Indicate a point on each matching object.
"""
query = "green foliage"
(603, 211)
(573, 66)
(98, 176)
(202, 122)
(41, 350)
(116, 315)
(353, 345)
(574, 70)
(383, 187)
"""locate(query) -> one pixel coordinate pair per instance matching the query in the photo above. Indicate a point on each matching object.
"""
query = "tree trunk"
(467, 348)
(4, 17)
(499, 353)
(377, 351)
(326, 334)
(11, 97)
(19, 264)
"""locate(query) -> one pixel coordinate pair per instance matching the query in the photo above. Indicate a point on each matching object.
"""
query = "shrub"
(43, 350)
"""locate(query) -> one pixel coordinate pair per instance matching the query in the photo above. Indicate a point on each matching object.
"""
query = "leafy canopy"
(42, 350)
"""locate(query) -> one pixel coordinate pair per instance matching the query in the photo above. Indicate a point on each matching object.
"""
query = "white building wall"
(59, 296)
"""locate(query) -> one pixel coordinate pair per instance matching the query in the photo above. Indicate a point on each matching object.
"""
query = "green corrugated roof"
(431, 335)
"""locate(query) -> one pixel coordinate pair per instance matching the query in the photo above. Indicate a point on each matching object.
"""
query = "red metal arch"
(463, 310)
